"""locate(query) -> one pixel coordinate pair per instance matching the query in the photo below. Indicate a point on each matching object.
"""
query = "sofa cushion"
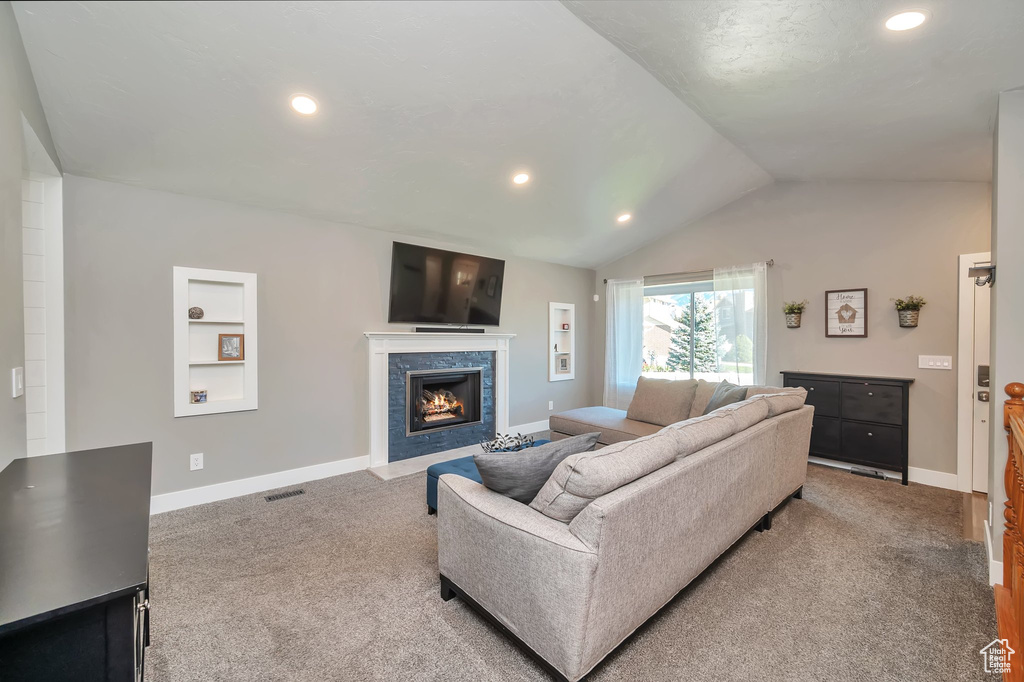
(612, 423)
(725, 394)
(779, 400)
(582, 478)
(662, 401)
(745, 413)
(705, 389)
(521, 474)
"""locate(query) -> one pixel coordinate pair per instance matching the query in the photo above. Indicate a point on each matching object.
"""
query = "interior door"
(982, 404)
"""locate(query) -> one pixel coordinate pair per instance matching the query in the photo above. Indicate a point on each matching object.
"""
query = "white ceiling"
(428, 108)
(819, 89)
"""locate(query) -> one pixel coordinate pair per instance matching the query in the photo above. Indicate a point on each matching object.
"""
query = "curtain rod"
(770, 262)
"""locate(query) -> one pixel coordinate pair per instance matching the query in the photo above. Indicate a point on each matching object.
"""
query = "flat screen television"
(434, 286)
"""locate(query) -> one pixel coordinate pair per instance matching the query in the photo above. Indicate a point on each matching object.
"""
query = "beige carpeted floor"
(860, 580)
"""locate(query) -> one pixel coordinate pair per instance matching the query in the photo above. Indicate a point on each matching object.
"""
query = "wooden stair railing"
(1010, 595)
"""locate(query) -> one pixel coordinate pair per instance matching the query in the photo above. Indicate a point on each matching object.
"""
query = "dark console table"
(74, 566)
(862, 420)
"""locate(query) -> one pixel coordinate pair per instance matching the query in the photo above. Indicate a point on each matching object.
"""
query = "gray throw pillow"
(725, 394)
(520, 475)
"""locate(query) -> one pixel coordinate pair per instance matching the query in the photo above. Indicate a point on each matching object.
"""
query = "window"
(693, 332)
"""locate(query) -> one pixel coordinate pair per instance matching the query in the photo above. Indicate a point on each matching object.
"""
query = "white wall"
(893, 238)
(1007, 302)
(19, 102)
(321, 285)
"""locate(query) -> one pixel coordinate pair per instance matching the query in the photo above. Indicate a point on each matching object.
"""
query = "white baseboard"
(246, 486)
(936, 479)
(532, 427)
(995, 568)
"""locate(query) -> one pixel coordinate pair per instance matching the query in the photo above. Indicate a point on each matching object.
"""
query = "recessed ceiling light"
(624, 218)
(904, 21)
(304, 104)
(521, 178)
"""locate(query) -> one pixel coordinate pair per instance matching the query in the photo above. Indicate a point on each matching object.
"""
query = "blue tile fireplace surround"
(402, 446)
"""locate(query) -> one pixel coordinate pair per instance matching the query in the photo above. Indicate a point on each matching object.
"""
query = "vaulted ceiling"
(666, 110)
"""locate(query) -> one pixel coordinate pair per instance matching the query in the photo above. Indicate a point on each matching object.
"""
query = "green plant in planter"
(794, 310)
(909, 303)
(909, 310)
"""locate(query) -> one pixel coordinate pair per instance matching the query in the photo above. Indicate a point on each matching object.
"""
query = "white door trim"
(965, 371)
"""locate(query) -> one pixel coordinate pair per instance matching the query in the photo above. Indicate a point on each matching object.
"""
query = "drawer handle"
(870, 393)
(870, 434)
(811, 388)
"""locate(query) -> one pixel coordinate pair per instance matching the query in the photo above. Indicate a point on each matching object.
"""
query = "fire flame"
(441, 404)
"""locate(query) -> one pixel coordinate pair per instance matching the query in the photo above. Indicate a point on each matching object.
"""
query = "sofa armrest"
(527, 570)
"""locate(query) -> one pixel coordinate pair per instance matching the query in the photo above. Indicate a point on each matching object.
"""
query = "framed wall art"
(846, 313)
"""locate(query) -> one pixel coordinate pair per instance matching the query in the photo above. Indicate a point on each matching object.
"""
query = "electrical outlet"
(935, 362)
(195, 461)
(551, 404)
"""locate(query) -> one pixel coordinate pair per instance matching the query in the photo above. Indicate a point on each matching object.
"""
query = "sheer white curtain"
(741, 312)
(624, 342)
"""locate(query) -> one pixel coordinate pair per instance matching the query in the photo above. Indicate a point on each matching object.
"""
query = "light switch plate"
(935, 362)
(17, 382)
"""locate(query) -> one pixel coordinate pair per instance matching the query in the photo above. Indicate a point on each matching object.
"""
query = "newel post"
(1014, 406)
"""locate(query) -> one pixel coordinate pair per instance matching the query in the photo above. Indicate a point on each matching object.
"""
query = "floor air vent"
(287, 493)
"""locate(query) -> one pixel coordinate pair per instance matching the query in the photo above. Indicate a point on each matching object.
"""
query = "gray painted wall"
(893, 238)
(319, 283)
(1007, 321)
(18, 96)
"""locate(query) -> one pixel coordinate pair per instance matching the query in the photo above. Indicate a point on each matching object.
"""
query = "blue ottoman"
(463, 466)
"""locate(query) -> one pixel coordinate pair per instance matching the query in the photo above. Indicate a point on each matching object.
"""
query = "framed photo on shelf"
(846, 313)
(562, 364)
(231, 347)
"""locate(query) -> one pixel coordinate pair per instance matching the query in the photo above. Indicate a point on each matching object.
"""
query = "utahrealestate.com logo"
(997, 656)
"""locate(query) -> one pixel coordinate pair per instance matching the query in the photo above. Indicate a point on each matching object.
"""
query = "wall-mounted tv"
(444, 287)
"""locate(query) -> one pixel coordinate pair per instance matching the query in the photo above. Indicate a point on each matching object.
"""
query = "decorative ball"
(195, 313)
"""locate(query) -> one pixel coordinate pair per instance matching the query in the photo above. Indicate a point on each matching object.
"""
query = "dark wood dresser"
(74, 565)
(861, 420)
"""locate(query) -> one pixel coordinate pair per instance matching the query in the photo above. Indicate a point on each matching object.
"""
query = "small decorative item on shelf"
(565, 326)
(199, 396)
(195, 313)
(231, 347)
(909, 310)
(794, 310)
(508, 443)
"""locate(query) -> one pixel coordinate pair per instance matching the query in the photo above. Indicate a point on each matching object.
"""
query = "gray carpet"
(860, 580)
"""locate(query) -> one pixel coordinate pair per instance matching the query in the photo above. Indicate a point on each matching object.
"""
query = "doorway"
(974, 397)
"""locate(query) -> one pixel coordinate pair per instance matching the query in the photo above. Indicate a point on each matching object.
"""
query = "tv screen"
(443, 287)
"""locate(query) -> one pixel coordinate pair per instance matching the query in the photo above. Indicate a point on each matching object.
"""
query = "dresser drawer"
(873, 402)
(823, 395)
(825, 437)
(873, 444)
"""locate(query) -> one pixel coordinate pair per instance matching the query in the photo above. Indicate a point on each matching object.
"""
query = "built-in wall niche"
(561, 341)
(215, 341)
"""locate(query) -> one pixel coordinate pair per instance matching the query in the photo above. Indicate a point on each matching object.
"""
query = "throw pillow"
(662, 401)
(725, 394)
(520, 475)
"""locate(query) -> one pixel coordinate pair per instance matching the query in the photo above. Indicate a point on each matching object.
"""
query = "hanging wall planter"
(909, 310)
(794, 311)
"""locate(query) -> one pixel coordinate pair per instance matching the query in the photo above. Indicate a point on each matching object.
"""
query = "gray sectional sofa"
(616, 533)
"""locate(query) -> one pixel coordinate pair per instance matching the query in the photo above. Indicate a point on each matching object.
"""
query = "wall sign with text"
(846, 313)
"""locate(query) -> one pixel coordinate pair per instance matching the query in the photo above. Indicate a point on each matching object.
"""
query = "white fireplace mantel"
(383, 344)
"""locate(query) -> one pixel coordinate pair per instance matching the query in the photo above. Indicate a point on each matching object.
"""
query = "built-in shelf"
(228, 300)
(561, 342)
(209, 321)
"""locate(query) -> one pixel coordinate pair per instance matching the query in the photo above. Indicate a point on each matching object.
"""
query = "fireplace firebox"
(442, 399)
